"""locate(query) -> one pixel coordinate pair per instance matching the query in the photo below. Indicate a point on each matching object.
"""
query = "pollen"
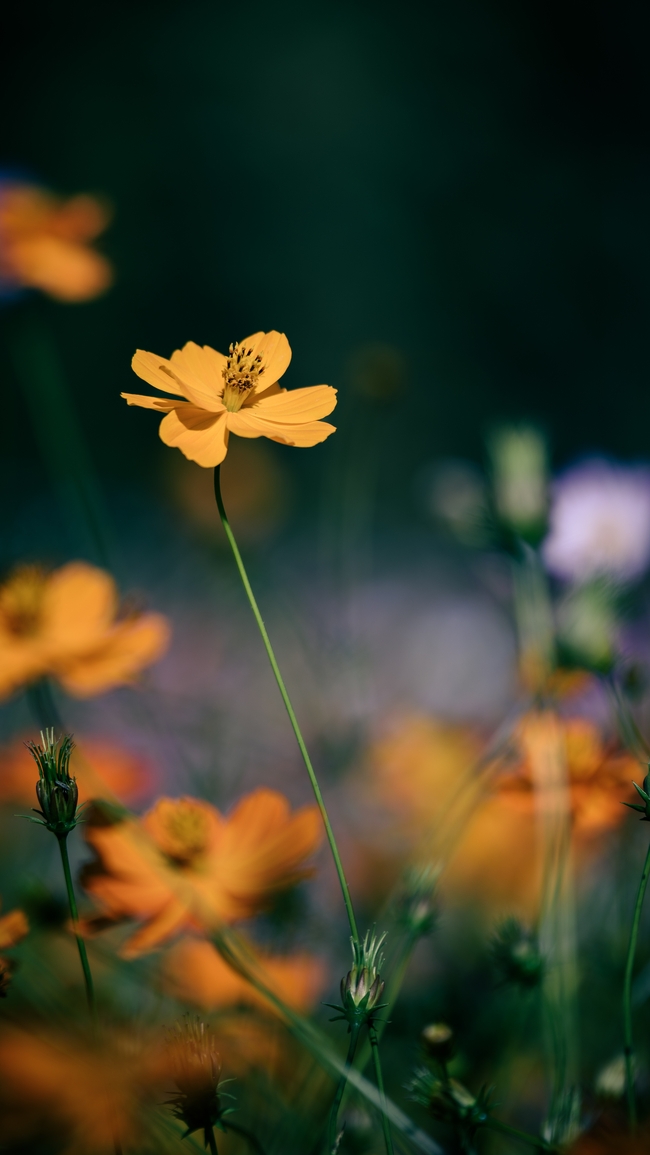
(241, 376)
(21, 599)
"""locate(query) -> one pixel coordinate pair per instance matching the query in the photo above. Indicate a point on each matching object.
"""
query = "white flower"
(600, 522)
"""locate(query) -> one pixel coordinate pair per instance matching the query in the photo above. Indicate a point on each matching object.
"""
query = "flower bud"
(362, 987)
(196, 1067)
(644, 795)
(416, 909)
(56, 789)
(449, 1101)
(516, 955)
(520, 483)
(438, 1041)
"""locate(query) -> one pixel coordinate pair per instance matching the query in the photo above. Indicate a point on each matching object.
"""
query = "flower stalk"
(627, 982)
(58, 796)
(289, 708)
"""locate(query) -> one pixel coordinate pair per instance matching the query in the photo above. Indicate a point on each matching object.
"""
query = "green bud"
(362, 987)
(449, 1101)
(56, 789)
(438, 1041)
(516, 955)
(416, 909)
(195, 1068)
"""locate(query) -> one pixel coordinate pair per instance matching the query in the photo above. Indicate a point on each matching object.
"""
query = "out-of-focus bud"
(416, 909)
(6, 975)
(644, 795)
(519, 467)
(363, 986)
(195, 1068)
(449, 1101)
(438, 1041)
(56, 790)
(587, 627)
(610, 1080)
(515, 953)
(455, 493)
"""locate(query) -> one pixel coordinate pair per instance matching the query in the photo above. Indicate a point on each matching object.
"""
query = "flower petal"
(131, 646)
(13, 927)
(202, 365)
(295, 405)
(275, 350)
(201, 436)
(79, 606)
(248, 423)
(149, 367)
(162, 404)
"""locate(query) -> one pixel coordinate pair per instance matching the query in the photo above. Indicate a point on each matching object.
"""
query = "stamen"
(241, 375)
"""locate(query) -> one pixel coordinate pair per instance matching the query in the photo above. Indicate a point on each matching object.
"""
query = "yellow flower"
(238, 393)
(43, 243)
(65, 625)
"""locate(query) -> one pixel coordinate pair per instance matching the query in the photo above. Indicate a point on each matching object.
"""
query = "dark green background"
(466, 182)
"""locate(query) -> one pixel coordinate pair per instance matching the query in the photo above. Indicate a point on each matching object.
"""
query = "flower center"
(240, 376)
(182, 829)
(21, 599)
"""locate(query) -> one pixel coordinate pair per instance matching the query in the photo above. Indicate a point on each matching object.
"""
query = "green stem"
(374, 1043)
(85, 966)
(212, 1141)
(525, 1136)
(246, 1134)
(287, 702)
(332, 1126)
(627, 993)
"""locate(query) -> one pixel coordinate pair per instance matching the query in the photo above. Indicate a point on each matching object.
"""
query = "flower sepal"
(56, 790)
(644, 795)
(362, 987)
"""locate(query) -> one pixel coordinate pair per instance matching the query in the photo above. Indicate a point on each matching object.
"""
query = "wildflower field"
(325, 686)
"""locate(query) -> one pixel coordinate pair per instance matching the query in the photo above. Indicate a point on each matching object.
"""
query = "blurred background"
(445, 208)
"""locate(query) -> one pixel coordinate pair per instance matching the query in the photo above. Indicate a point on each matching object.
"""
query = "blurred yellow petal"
(130, 647)
(194, 971)
(64, 270)
(201, 436)
(79, 604)
(13, 927)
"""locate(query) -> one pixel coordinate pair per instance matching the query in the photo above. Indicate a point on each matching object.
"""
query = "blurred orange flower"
(194, 972)
(65, 625)
(186, 866)
(486, 830)
(102, 770)
(237, 393)
(13, 927)
(44, 243)
(90, 1095)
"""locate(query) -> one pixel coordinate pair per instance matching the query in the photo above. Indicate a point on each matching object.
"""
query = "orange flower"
(195, 972)
(102, 770)
(90, 1094)
(13, 927)
(43, 243)
(238, 393)
(65, 625)
(186, 866)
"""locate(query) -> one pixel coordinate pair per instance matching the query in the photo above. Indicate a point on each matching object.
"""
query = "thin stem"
(627, 993)
(212, 1141)
(246, 1134)
(332, 1126)
(374, 1043)
(525, 1136)
(85, 966)
(289, 708)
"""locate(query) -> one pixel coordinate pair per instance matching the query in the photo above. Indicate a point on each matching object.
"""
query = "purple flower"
(599, 522)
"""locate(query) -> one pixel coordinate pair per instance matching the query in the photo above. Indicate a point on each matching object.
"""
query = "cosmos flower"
(216, 395)
(599, 523)
(65, 625)
(194, 972)
(101, 768)
(44, 243)
(184, 866)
